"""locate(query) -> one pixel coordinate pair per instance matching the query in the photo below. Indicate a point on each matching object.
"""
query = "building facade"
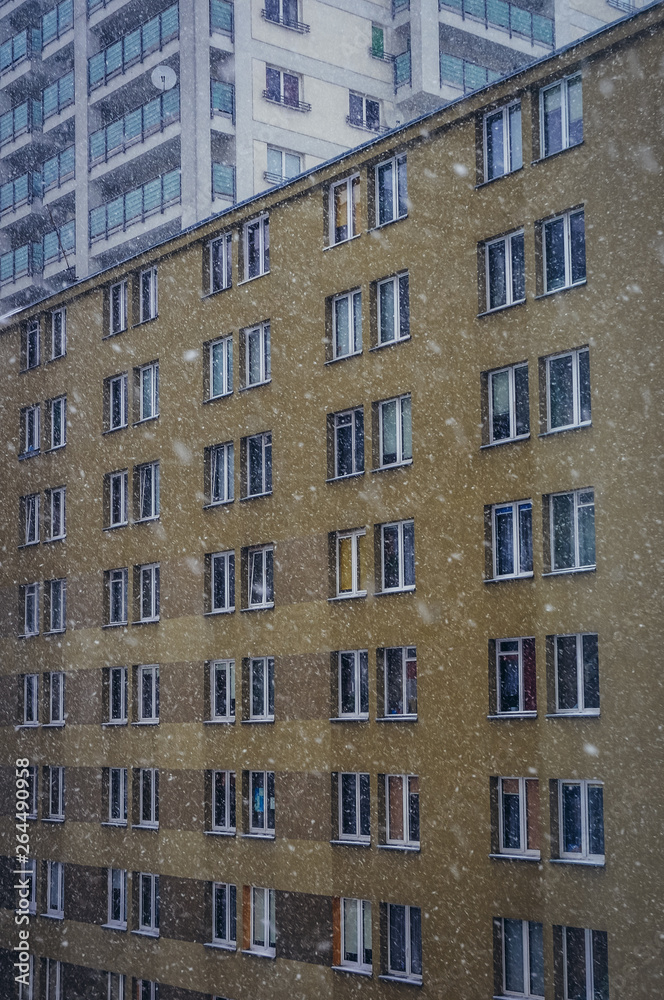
(123, 122)
(329, 609)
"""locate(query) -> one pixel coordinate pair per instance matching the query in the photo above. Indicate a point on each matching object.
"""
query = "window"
(148, 491)
(148, 694)
(581, 820)
(564, 251)
(347, 324)
(117, 899)
(222, 582)
(223, 801)
(577, 674)
(261, 689)
(221, 459)
(221, 367)
(515, 677)
(585, 964)
(55, 792)
(281, 165)
(31, 344)
(512, 534)
(55, 889)
(222, 691)
(282, 12)
(397, 553)
(53, 977)
(117, 695)
(259, 464)
(391, 190)
(348, 563)
(353, 684)
(118, 307)
(58, 333)
(363, 112)
(147, 989)
(223, 914)
(257, 247)
(116, 582)
(568, 390)
(30, 595)
(148, 797)
(282, 87)
(348, 436)
(404, 940)
(117, 986)
(58, 417)
(148, 283)
(56, 699)
(519, 816)
(117, 390)
(148, 391)
(148, 904)
(117, 795)
(32, 800)
(572, 530)
(521, 956)
(399, 681)
(509, 404)
(117, 499)
(148, 577)
(30, 505)
(261, 803)
(502, 141)
(260, 577)
(354, 807)
(26, 985)
(345, 208)
(505, 275)
(356, 951)
(561, 115)
(257, 355)
(57, 508)
(30, 429)
(30, 699)
(402, 810)
(395, 431)
(30, 875)
(263, 921)
(393, 303)
(220, 266)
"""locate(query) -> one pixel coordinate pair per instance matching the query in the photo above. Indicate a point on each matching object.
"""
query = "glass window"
(348, 563)
(149, 593)
(363, 112)
(221, 367)
(224, 901)
(561, 113)
(568, 389)
(57, 512)
(259, 464)
(515, 676)
(148, 290)
(117, 496)
(262, 802)
(222, 466)
(347, 324)
(512, 532)
(400, 682)
(263, 921)
(505, 271)
(257, 355)
(148, 391)
(222, 582)
(398, 556)
(30, 519)
(577, 674)
(55, 889)
(281, 165)
(117, 898)
(222, 691)
(58, 333)
(354, 807)
(261, 689)
(356, 951)
(519, 816)
(393, 302)
(402, 810)
(257, 247)
(395, 431)
(581, 818)
(148, 783)
(572, 517)
(502, 141)
(32, 344)
(148, 903)
(261, 577)
(220, 266)
(391, 191)
(564, 251)
(117, 694)
(345, 208)
(30, 699)
(148, 498)
(58, 422)
(148, 694)
(404, 937)
(509, 404)
(353, 684)
(57, 698)
(223, 801)
(117, 402)
(585, 964)
(118, 309)
(117, 595)
(522, 958)
(348, 429)
(117, 795)
(31, 609)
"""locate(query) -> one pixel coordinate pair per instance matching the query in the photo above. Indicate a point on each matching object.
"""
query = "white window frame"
(564, 111)
(358, 659)
(57, 501)
(149, 592)
(362, 915)
(53, 965)
(151, 993)
(30, 873)
(584, 854)
(577, 421)
(266, 554)
(58, 404)
(363, 124)
(265, 443)
(568, 281)
(26, 990)
(354, 537)
(221, 265)
(263, 227)
(117, 878)
(148, 378)
(31, 697)
(262, 333)
(282, 86)
(402, 404)
(227, 780)
(55, 889)
(508, 256)
(224, 669)
(119, 980)
(402, 584)
(351, 184)
(151, 926)
(30, 609)
(117, 577)
(222, 470)
(523, 850)
(581, 708)
(263, 912)
(351, 299)
(117, 675)
(119, 381)
(31, 504)
(501, 651)
(151, 670)
(526, 965)
(268, 779)
(261, 669)
(148, 492)
(271, 175)
(408, 655)
(118, 776)
(579, 505)
(148, 798)
(510, 371)
(118, 307)
(31, 429)
(408, 974)
(33, 792)
(117, 484)
(56, 700)
(357, 458)
(589, 962)
(32, 344)
(229, 938)
(390, 168)
(406, 780)
(148, 291)
(58, 319)
(511, 161)
(227, 561)
(55, 793)
(354, 787)
(400, 286)
(517, 507)
(222, 347)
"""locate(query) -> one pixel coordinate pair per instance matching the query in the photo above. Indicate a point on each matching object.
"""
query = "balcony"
(57, 21)
(135, 127)
(223, 182)
(135, 206)
(286, 16)
(57, 96)
(222, 99)
(505, 17)
(221, 17)
(31, 258)
(402, 69)
(19, 192)
(57, 170)
(285, 100)
(134, 47)
(19, 121)
(465, 75)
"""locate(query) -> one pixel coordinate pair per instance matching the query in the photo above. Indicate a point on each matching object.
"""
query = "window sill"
(379, 347)
(146, 520)
(347, 597)
(114, 722)
(219, 946)
(341, 243)
(573, 569)
(114, 333)
(256, 496)
(254, 277)
(260, 954)
(514, 440)
(145, 420)
(213, 399)
(388, 222)
(351, 843)
(56, 447)
(512, 715)
(594, 714)
(563, 288)
(148, 934)
(53, 725)
(257, 722)
(113, 430)
(580, 862)
(145, 826)
(230, 721)
(255, 385)
(56, 538)
(146, 722)
(396, 718)
(500, 309)
(404, 848)
(114, 927)
(352, 970)
(219, 833)
(28, 635)
(259, 607)
(116, 624)
(395, 465)
(558, 152)
(402, 590)
(333, 361)
(492, 180)
(118, 822)
(114, 527)
(218, 611)
(341, 479)
(142, 322)
(29, 545)
(53, 916)
(258, 836)
(350, 718)
(53, 819)
(28, 454)
(211, 294)
(504, 579)
(568, 427)
(517, 857)
(146, 621)
(218, 503)
(408, 980)
(28, 725)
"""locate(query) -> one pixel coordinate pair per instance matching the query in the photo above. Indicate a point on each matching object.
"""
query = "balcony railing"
(58, 169)
(402, 66)
(287, 102)
(221, 16)
(19, 48)
(31, 258)
(135, 127)
(366, 126)
(223, 181)
(506, 17)
(135, 206)
(286, 20)
(467, 76)
(19, 120)
(19, 192)
(57, 21)
(222, 99)
(95, 5)
(399, 5)
(57, 96)
(58, 243)
(134, 47)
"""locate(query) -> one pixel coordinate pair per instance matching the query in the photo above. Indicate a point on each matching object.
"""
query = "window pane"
(575, 941)
(525, 537)
(495, 153)
(348, 805)
(577, 246)
(522, 399)
(511, 814)
(340, 193)
(571, 798)
(532, 814)
(394, 681)
(414, 808)
(342, 345)
(389, 428)
(504, 541)
(561, 401)
(258, 688)
(600, 966)
(351, 949)
(500, 405)
(508, 682)
(552, 108)
(385, 193)
(398, 938)
(496, 276)
(568, 699)
(344, 445)
(584, 386)
(291, 89)
(518, 268)
(395, 806)
(391, 556)
(586, 516)
(595, 819)
(406, 430)
(415, 940)
(554, 248)
(347, 683)
(536, 955)
(364, 806)
(590, 672)
(409, 554)
(516, 158)
(386, 305)
(357, 321)
(562, 509)
(513, 947)
(574, 111)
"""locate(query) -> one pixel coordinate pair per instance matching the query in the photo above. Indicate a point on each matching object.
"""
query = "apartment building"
(330, 631)
(123, 122)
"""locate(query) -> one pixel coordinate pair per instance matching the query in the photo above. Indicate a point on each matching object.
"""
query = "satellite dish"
(163, 77)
